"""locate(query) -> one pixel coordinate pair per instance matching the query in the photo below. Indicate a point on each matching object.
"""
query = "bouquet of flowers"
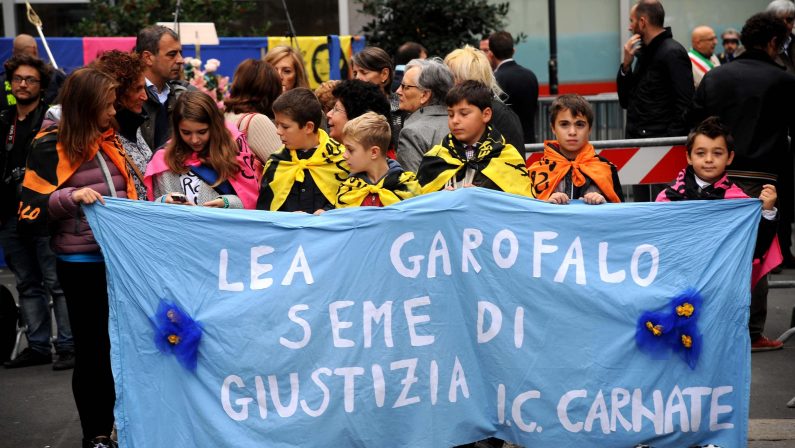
(207, 80)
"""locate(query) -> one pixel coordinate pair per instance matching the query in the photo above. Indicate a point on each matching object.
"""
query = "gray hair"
(148, 39)
(434, 77)
(781, 7)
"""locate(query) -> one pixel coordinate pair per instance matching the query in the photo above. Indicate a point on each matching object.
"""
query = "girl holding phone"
(207, 162)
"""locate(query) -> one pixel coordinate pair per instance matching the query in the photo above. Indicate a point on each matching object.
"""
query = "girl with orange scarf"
(69, 166)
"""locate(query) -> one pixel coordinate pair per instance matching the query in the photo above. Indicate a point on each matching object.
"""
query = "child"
(570, 168)
(374, 180)
(474, 154)
(709, 151)
(205, 163)
(305, 174)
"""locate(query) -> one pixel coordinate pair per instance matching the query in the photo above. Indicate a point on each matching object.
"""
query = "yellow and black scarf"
(499, 162)
(48, 167)
(548, 172)
(326, 166)
(392, 188)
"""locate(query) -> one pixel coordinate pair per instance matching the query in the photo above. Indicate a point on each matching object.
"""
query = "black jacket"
(154, 135)
(507, 122)
(754, 96)
(657, 92)
(521, 86)
(11, 160)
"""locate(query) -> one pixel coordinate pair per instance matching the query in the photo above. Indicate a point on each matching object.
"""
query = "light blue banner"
(441, 320)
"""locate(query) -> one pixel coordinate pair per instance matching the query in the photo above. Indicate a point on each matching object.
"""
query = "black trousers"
(86, 289)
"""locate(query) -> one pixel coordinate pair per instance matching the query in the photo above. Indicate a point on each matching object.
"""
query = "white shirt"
(162, 96)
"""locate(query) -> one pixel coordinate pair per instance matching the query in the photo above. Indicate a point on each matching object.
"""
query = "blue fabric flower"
(657, 333)
(688, 343)
(177, 333)
(654, 333)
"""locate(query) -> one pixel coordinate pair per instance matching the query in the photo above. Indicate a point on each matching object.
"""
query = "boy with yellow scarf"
(305, 174)
(375, 180)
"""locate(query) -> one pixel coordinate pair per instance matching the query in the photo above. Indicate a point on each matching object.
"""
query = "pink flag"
(94, 46)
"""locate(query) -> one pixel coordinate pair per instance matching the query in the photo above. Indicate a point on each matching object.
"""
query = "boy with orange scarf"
(570, 168)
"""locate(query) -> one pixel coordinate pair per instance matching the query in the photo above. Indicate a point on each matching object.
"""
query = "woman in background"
(290, 66)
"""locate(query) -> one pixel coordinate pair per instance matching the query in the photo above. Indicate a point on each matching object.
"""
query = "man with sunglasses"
(29, 256)
(731, 45)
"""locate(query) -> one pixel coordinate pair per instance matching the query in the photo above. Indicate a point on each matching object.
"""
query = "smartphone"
(179, 197)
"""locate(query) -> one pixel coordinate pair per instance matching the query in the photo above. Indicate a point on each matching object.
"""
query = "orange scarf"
(547, 173)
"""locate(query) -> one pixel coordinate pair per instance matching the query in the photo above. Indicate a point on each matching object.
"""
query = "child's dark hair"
(713, 128)
(575, 104)
(474, 92)
(301, 105)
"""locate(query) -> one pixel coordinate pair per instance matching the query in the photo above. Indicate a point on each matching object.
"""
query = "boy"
(709, 151)
(375, 180)
(570, 168)
(303, 176)
(473, 154)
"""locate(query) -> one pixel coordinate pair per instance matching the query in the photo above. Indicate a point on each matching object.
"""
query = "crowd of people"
(128, 126)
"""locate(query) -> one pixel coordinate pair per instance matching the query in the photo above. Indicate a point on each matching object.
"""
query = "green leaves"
(439, 25)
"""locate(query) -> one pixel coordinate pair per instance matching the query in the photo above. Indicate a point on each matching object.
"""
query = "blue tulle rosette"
(654, 333)
(658, 333)
(688, 343)
(177, 333)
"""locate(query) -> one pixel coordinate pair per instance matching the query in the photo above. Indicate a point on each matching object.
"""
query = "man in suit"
(519, 83)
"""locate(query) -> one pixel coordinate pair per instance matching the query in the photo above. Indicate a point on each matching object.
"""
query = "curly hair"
(359, 97)
(255, 87)
(325, 95)
(45, 72)
(125, 68)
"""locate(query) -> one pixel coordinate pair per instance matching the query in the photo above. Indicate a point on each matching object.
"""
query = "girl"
(207, 162)
(77, 163)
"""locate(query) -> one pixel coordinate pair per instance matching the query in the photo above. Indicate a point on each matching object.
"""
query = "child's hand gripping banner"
(439, 321)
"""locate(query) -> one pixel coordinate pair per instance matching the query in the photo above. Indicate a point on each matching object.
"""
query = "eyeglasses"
(29, 80)
(407, 86)
(338, 110)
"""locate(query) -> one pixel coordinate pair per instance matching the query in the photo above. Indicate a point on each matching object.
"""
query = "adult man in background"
(484, 47)
(658, 90)
(161, 53)
(702, 54)
(731, 45)
(26, 44)
(405, 53)
(753, 96)
(519, 83)
(29, 256)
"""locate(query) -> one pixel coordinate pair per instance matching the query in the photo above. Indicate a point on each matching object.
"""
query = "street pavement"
(37, 409)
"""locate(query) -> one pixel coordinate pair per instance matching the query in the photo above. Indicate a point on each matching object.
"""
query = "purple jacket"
(71, 233)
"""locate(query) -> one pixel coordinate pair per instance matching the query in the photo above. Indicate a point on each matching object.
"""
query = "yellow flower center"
(687, 341)
(685, 309)
(655, 329)
(173, 339)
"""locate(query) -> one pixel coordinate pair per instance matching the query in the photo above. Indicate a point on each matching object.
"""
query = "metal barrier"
(609, 117)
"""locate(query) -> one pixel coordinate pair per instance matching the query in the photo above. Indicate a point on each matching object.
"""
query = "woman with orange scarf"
(570, 168)
(72, 165)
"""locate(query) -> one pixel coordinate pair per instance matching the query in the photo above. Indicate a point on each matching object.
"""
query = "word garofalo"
(408, 258)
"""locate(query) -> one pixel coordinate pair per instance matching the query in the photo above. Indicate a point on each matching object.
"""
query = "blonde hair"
(280, 52)
(469, 63)
(369, 129)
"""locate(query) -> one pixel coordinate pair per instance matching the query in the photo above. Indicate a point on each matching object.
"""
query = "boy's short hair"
(301, 105)
(713, 128)
(575, 104)
(369, 129)
(474, 92)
